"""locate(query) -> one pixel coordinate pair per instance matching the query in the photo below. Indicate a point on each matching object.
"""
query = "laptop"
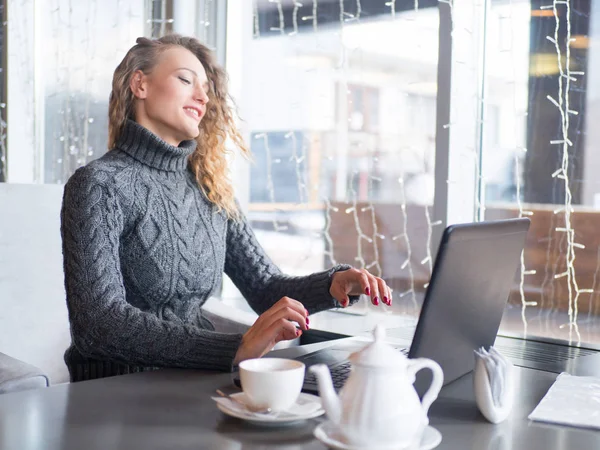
(471, 280)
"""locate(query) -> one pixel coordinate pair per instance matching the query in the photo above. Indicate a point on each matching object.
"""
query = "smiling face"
(171, 100)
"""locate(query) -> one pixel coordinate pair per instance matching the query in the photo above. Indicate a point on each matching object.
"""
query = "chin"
(191, 134)
(195, 134)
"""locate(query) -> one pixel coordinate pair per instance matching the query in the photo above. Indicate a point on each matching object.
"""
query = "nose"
(201, 96)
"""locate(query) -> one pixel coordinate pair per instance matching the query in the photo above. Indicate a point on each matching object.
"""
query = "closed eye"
(184, 80)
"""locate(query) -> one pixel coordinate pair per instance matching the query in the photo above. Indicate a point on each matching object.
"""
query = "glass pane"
(342, 120)
(87, 41)
(3, 96)
(540, 160)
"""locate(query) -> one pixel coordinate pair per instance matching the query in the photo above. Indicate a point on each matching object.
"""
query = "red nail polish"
(386, 300)
(367, 291)
(376, 301)
(307, 321)
(298, 333)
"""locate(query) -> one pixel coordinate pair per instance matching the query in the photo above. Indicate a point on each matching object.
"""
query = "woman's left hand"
(356, 282)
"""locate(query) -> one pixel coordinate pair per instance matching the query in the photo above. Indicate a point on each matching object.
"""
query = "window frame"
(3, 100)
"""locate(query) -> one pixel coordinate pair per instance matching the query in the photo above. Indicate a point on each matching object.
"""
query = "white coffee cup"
(271, 382)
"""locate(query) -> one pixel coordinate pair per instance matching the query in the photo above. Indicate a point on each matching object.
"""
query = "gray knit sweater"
(144, 249)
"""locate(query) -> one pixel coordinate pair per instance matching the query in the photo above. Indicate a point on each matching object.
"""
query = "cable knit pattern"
(144, 249)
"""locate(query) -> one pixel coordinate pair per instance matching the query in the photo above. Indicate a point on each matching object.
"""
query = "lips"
(193, 112)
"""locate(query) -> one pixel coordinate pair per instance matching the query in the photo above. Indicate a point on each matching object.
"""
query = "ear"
(138, 84)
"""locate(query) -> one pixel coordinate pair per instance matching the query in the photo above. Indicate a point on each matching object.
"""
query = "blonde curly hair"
(208, 162)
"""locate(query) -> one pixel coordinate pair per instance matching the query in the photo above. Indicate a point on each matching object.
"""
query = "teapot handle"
(436, 384)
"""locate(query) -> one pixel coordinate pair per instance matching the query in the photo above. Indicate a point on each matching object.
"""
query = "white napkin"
(494, 384)
(571, 400)
(302, 407)
(496, 367)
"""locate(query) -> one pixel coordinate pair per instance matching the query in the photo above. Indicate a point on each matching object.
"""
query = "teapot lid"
(378, 354)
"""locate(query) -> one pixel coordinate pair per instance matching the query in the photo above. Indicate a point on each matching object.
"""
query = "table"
(172, 409)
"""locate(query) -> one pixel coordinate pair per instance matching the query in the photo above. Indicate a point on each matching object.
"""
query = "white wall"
(33, 314)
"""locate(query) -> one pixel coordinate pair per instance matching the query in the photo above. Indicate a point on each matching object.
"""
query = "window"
(356, 85)
(544, 164)
(279, 157)
(3, 95)
(59, 96)
(341, 120)
(60, 58)
(160, 17)
(77, 78)
(343, 104)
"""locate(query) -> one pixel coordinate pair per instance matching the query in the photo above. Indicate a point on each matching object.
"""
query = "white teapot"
(378, 405)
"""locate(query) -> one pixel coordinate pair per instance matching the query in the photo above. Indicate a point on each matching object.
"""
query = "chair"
(16, 375)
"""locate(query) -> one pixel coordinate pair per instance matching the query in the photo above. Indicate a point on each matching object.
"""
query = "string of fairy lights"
(562, 103)
(407, 264)
(3, 171)
(74, 126)
(354, 209)
(565, 234)
(281, 27)
(270, 184)
(360, 236)
(3, 174)
(327, 230)
(2, 150)
(255, 19)
(300, 166)
(566, 75)
(392, 5)
(375, 265)
(313, 17)
(429, 257)
(523, 272)
(297, 6)
(74, 140)
(74, 143)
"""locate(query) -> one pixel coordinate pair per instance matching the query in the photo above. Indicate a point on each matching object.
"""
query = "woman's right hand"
(274, 325)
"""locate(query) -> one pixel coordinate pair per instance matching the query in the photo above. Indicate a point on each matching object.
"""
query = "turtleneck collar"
(149, 149)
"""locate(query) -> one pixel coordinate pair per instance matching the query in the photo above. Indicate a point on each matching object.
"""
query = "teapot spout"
(331, 401)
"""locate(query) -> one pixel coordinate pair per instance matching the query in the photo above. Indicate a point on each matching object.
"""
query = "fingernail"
(307, 327)
(386, 300)
(298, 333)
(307, 321)
(367, 291)
(376, 301)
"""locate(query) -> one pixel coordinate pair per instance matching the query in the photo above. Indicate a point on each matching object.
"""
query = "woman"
(149, 228)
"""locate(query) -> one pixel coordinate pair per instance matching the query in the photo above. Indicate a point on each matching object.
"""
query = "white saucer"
(307, 407)
(327, 434)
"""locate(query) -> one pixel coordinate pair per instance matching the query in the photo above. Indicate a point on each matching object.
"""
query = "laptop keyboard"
(340, 372)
